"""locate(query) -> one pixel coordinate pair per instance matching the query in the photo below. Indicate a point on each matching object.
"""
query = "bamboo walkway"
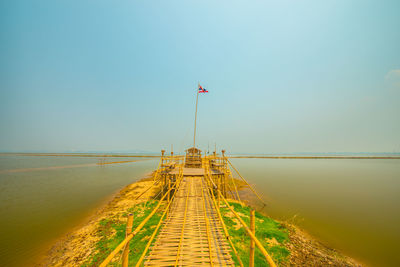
(192, 234)
(191, 230)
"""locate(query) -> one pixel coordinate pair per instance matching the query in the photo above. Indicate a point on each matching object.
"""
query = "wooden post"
(219, 197)
(220, 183)
(223, 184)
(224, 176)
(169, 187)
(195, 117)
(169, 196)
(161, 167)
(217, 180)
(253, 230)
(225, 187)
(125, 254)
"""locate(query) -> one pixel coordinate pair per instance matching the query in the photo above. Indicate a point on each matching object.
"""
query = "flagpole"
(195, 117)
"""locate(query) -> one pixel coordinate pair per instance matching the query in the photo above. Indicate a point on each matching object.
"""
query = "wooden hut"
(193, 158)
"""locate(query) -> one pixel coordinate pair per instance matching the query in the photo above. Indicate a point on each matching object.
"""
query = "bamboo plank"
(194, 246)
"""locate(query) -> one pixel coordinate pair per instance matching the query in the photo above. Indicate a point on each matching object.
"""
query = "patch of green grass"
(271, 234)
(112, 232)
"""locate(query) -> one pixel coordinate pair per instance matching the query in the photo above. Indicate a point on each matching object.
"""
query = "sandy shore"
(76, 246)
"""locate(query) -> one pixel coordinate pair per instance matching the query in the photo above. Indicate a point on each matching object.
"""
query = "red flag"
(202, 90)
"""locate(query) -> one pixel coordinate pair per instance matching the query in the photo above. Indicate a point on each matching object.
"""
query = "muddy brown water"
(349, 204)
(48, 196)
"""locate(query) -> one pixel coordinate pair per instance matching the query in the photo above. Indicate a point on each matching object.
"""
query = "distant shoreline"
(158, 156)
(95, 155)
(315, 157)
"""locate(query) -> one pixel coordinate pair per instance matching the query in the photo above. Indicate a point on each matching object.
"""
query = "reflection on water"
(38, 206)
(352, 205)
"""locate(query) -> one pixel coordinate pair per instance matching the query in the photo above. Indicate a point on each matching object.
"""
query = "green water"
(38, 206)
(351, 205)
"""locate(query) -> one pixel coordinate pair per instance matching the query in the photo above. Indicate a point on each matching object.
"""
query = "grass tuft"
(111, 233)
(271, 234)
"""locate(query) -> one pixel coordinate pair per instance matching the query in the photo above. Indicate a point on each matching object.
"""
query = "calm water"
(38, 206)
(352, 205)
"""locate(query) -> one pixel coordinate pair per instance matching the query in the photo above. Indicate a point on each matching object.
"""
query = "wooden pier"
(191, 231)
(192, 234)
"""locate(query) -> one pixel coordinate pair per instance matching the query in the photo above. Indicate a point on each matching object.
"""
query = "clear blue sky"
(283, 76)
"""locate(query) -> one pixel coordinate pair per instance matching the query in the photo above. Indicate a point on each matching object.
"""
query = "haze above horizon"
(283, 76)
